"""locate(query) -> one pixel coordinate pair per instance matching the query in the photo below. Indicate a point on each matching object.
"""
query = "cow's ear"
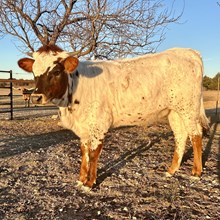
(70, 64)
(26, 64)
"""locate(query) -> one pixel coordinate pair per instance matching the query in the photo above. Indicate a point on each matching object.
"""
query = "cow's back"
(145, 88)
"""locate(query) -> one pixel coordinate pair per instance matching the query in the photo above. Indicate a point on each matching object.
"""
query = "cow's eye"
(56, 73)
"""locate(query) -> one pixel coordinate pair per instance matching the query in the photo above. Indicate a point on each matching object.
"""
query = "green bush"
(211, 83)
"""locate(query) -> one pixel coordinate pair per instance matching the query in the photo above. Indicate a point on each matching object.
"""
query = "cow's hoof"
(82, 187)
(194, 178)
(79, 184)
(168, 175)
(197, 172)
(85, 189)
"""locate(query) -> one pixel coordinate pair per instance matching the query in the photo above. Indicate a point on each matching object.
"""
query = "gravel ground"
(39, 165)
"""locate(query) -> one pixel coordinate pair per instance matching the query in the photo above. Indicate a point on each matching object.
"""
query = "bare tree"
(100, 28)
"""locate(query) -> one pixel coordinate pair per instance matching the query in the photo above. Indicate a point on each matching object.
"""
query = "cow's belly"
(139, 118)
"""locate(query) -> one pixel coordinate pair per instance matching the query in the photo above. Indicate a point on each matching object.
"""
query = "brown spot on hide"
(76, 102)
(70, 98)
(58, 60)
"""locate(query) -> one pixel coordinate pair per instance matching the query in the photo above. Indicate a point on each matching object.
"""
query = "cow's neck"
(66, 100)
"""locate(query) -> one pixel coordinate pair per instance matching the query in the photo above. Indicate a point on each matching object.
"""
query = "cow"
(94, 96)
(26, 94)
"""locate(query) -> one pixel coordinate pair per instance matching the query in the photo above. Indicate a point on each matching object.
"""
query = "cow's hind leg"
(180, 134)
(197, 151)
(194, 129)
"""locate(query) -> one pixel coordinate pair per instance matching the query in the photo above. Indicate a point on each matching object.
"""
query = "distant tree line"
(211, 83)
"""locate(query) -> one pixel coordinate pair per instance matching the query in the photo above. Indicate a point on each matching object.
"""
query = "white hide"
(45, 60)
(136, 92)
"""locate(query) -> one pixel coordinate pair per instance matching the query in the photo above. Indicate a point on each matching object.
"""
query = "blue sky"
(199, 29)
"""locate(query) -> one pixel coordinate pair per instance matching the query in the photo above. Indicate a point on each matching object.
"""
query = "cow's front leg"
(88, 170)
(84, 169)
(93, 160)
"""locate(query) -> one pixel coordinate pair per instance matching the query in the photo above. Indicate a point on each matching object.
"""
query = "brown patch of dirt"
(39, 165)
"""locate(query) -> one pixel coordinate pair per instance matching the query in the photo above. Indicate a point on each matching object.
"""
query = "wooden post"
(216, 111)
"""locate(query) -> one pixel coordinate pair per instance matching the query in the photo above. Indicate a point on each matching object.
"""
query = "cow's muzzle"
(39, 99)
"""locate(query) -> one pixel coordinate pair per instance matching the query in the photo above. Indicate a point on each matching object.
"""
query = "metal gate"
(9, 96)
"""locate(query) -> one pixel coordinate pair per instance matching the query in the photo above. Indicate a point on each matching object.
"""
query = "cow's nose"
(36, 98)
(39, 99)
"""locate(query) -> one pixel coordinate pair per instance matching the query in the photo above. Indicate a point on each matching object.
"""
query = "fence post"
(216, 110)
(11, 94)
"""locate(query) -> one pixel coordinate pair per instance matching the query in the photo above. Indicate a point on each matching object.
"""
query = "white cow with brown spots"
(95, 96)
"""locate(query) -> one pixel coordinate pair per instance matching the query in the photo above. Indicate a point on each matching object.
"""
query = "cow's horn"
(73, 53)
(30, 54)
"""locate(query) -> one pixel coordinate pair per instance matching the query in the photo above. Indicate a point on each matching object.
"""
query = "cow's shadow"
(17, 145)
(214, 122)
(114, 166)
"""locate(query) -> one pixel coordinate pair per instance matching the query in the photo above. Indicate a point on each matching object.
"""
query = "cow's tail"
(204, 121)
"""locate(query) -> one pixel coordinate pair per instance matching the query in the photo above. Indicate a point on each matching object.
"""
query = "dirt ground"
(39, 165)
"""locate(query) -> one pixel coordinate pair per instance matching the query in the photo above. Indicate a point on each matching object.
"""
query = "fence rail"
(16, 80)
(10, 94)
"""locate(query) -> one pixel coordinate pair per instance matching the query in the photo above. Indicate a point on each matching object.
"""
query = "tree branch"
(92, 28)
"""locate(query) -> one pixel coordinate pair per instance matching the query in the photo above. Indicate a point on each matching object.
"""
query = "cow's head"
(52, 68)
